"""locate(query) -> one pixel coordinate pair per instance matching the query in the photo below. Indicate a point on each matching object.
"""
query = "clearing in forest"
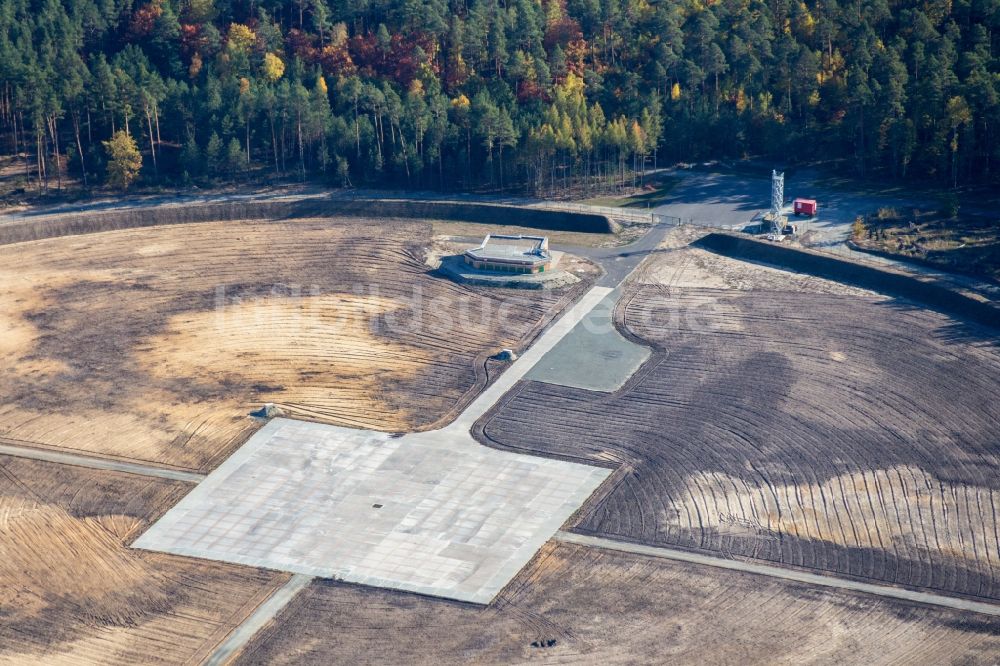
(788, 419)
(152, 344)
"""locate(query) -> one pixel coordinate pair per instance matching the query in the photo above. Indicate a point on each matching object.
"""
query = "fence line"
(609, 211)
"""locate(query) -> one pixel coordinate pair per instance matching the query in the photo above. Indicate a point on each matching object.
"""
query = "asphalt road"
(735, 201)
(619, 262)
(732, 201)
(715, 200)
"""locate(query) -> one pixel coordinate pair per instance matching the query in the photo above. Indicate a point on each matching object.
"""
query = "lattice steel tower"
(777, 200)
(777, 193)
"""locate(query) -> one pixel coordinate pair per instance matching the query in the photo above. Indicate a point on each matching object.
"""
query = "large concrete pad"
(434, 513)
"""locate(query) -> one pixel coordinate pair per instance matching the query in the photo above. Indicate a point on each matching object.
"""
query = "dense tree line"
(539, 94)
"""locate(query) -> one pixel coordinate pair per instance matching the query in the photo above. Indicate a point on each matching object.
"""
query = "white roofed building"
(510, 254)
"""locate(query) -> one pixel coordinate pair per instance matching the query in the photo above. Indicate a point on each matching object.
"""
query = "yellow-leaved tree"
(274, 68)
(124, 160)
(241, 38)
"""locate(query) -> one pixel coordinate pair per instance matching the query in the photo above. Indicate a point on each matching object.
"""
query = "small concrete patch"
(594, 355)
(433, 513)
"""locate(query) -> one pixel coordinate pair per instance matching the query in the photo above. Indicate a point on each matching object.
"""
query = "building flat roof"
(512, 249)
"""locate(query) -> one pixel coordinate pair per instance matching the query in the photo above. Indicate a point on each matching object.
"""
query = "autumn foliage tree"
(539, 95)
(124, 160)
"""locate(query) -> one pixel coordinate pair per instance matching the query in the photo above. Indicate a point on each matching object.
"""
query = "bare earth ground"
(967, 244)
(615, 608)
(153, 344)
(844, 433)
(676, 264)
(782, 417)
(72, 592)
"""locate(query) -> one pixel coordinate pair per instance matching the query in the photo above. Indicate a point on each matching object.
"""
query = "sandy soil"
(72, 592)
(153, 344)
(677, 264)
(599, 607)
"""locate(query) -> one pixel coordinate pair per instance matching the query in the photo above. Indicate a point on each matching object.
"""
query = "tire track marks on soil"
(152, 344)
(830, 432)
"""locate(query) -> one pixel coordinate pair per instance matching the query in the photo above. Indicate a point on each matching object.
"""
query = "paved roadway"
(619, 262)
(733, 201)
(782, 573)
(714, 199)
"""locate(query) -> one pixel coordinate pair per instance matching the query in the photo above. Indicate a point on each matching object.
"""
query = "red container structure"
(804, 206)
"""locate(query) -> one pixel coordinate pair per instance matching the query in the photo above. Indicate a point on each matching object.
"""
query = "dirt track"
(152, 344)
(611, 608)
(848, 434)
(73, 593)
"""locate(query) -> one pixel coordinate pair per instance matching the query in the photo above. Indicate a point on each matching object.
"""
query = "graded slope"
(849, 434)
(580, 605)
(73, 592)
(152, 344)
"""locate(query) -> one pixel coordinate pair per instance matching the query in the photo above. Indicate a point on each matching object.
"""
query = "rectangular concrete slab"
(594, 355)
(434, 513)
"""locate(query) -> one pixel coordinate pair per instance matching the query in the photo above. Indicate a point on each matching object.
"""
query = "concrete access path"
(746, 566)
(94, 462)
(266, 612)
(619, 262)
